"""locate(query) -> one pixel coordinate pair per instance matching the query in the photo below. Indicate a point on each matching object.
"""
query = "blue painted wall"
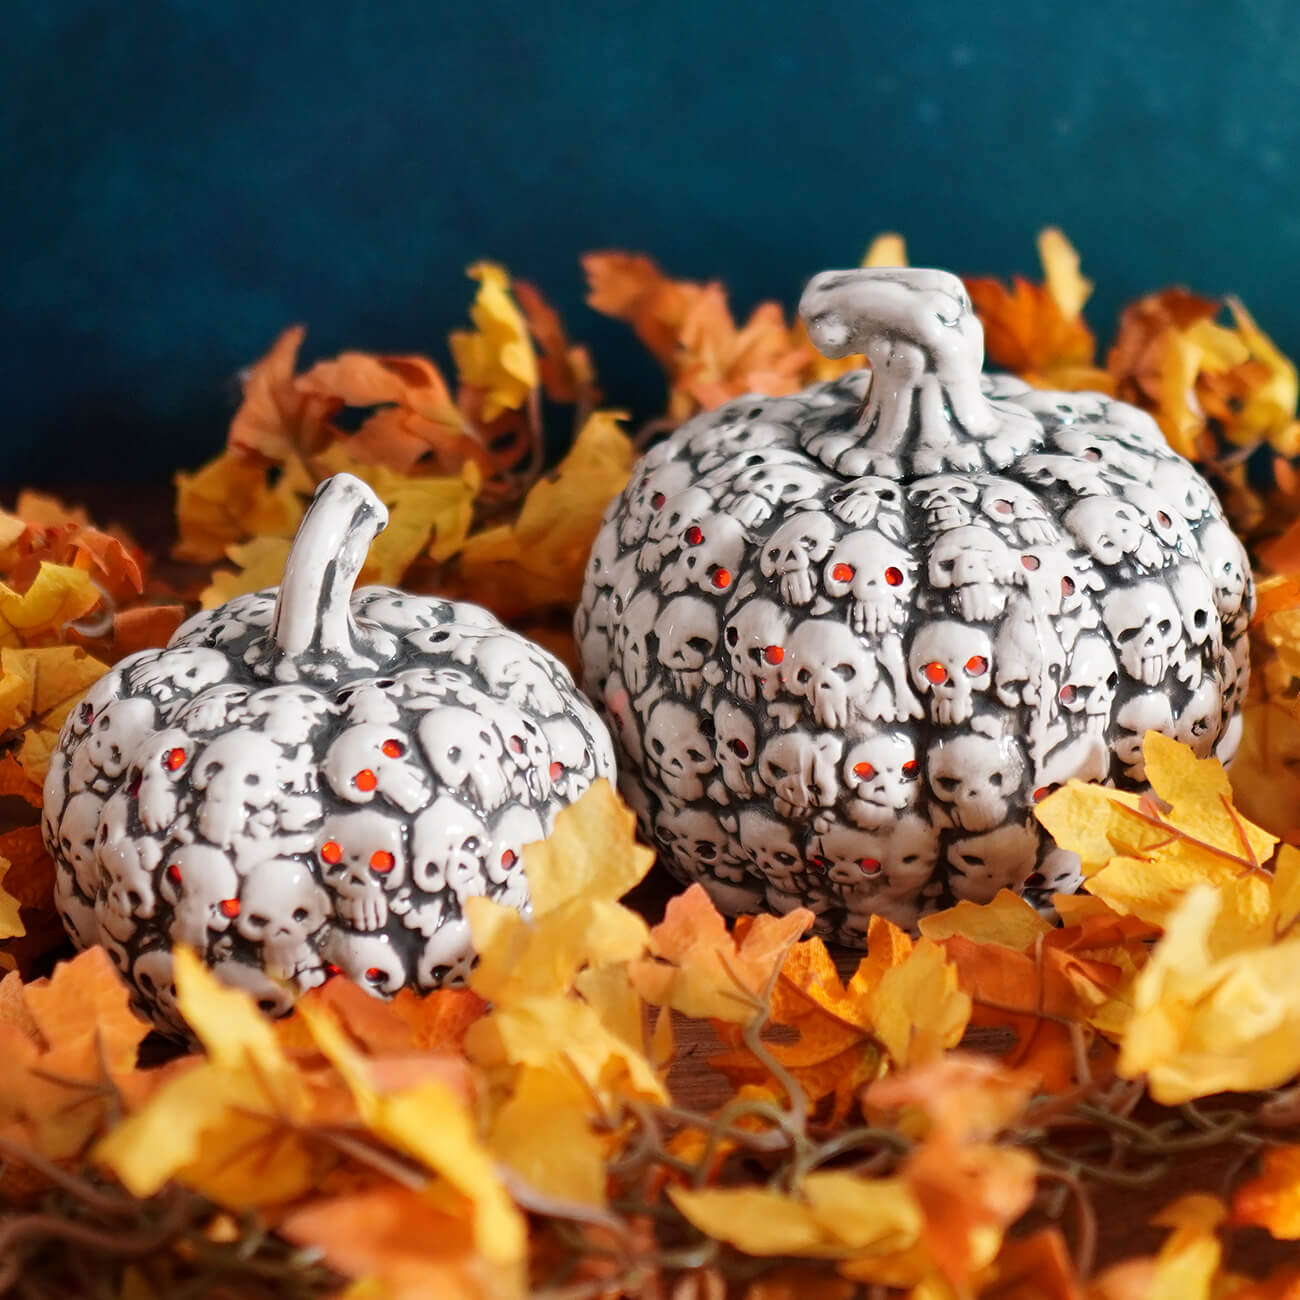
(182, 179)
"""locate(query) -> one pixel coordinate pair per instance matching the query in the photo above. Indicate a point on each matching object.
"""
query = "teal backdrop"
(183, 179)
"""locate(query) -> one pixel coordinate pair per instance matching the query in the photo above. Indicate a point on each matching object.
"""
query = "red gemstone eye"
(863, 771)
(935, 672)
(557, 770)
(381, 860)
(657, 500)
(894, 576)
(174, 874)
(842, 573)
(174, 759)
(1164, 519)
(740, 749)
(869, 866)
(911, 767)
(365, 780)
(1067, 586)
(1030, 562)
(774, 654)
(1068, 693)
(1003, 507)
(516, 744)
(721, 578)
(393, 748)
(331, 851)
(818, 862)
(86, 714)
(694, 535)
(976, 665)
(374, 974)
(229, 908)
(332, 969)
(509, 858)
(1044, 790)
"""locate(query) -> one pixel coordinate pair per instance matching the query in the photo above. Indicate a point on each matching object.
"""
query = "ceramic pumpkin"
(309, 780)
(846, 638)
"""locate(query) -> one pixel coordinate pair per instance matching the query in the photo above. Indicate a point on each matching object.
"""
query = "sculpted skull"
(789, 554)
(677, 748)
(877, 574)
(976, 777)
(883, 774)
(755, 637)
(686, 632)
(951, 662)
(977, 566)
(800, 770)
(1145, 625)
(830, 669)
(312, 778)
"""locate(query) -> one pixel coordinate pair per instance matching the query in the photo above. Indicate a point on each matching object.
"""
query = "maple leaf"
(1034, 1267)
(498, 356)
(538, 561)
(277, 419)
(38, 689)
(566, 370)
(259, 564)
(1272, 1198)
(630, 287)
(1187, 1264)
(58, 595)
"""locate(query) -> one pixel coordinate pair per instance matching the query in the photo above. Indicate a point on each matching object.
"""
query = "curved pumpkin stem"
(313, 633)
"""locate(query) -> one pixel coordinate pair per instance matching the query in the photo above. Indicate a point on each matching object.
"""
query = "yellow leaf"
(832, 1216)
(260, 564)
(1272, 1199)
(702, 971)
(1204, 1023)
(888, 249)
(500, 356)
(38, 689)
(538, 561)
(1007, 920)
(1066, 285)
(544, 1133)
(917, 1008)
(58, 595)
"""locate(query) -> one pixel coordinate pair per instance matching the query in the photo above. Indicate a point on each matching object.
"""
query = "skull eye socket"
(845, 672)
(174, 873)
(365, 780)
(471, 844)
(732, 636)
(869, 866)
(509, 858)
(1163, 519)
(911, 768)
(393, 748)
(1092, 453)
(820, 863)
(86, 714)
(694, 535)
(331, 852)
(556, 770)
(300, 914)
(382, 861)
(1127, 634)
(935, 673)
(1164, 627)
(1044, 790)
(173, 759)
(773, 552)
(1201, 617)
(1003, 507)
(706, 849)
(785, 859)
(658, 500)
(1030, 562)
(739, 748)
(253, 778)
(658, 746)
(773, 654)
(842, 572)
(948, 784)
(700, 644)
(695, 755)
(229, 908)
(995, 780)
(1112, 680)
(1068, 694)
(863, 771)
(374, 974)
(803, 676)
(976, 666)
(894, 576)
(1067, 586)
(721, 578)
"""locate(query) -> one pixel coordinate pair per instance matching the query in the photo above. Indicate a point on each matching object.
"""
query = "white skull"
(1110, 529)
(687, 635)
(700, 844)
(870, 500)
(573, 756)
(371, 700)
(977, 566)
(1145, 625)
(1181, 485)
(1166, 523)
(951, 662)
(447, 957)
(159, 767)
(648, 495)
(369, 761)
(877, 574)
(690, 506)
(1194, 592)
(104, 691)
(710, 559)
(735, 743)
(511, 672)
(800, 769)
(236, 772)
(180, 672)
(465, 751)
(290, 715)
(1197, 724)
(513, 829)
(755, 637)
(676, 749)
(828, 666)
(1149, 711)
(771, 846)
(212, 710)
(1076, 478)
(1229, 569)
(1091, 681)
(1093, 444)
(1015, 507)
(363, 861)
(129, 862)
(998, 859)
(763, 488)
(398, 611)
(152, 974)
(948, 499)
(847, 857)
(119, 727)
(906, 852)
(882, 774)
(280, 906)
(242, 617)
(78, 828)
(450, 849)
(203, 889)
(273, 997)
(1060, 872)
(789, 554)
(975, 777)
(636, 620)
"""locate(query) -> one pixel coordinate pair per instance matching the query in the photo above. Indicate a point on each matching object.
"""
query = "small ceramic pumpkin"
(307, 780)
(846, 638)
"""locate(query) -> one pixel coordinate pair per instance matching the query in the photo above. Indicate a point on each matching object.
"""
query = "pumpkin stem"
(925, 410)
(313, 633)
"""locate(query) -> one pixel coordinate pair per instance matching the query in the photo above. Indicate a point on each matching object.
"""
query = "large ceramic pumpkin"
(307, 780)
(846, 638)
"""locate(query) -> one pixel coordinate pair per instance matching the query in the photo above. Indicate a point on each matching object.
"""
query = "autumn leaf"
(566, 370)
(497, 356)
(1187, 1265)
(277, 419)
(258, 564)
(698, 968)
(1272, 1199)
(58, 595)
(38, 689)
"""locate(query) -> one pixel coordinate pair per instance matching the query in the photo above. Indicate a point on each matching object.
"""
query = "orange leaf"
(277, 419)
(566, 370)
(15, 779)
(1036, 1267)
(1272, 1199)
(30, 878)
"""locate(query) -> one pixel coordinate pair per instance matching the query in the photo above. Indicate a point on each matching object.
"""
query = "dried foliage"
(688, 1110)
